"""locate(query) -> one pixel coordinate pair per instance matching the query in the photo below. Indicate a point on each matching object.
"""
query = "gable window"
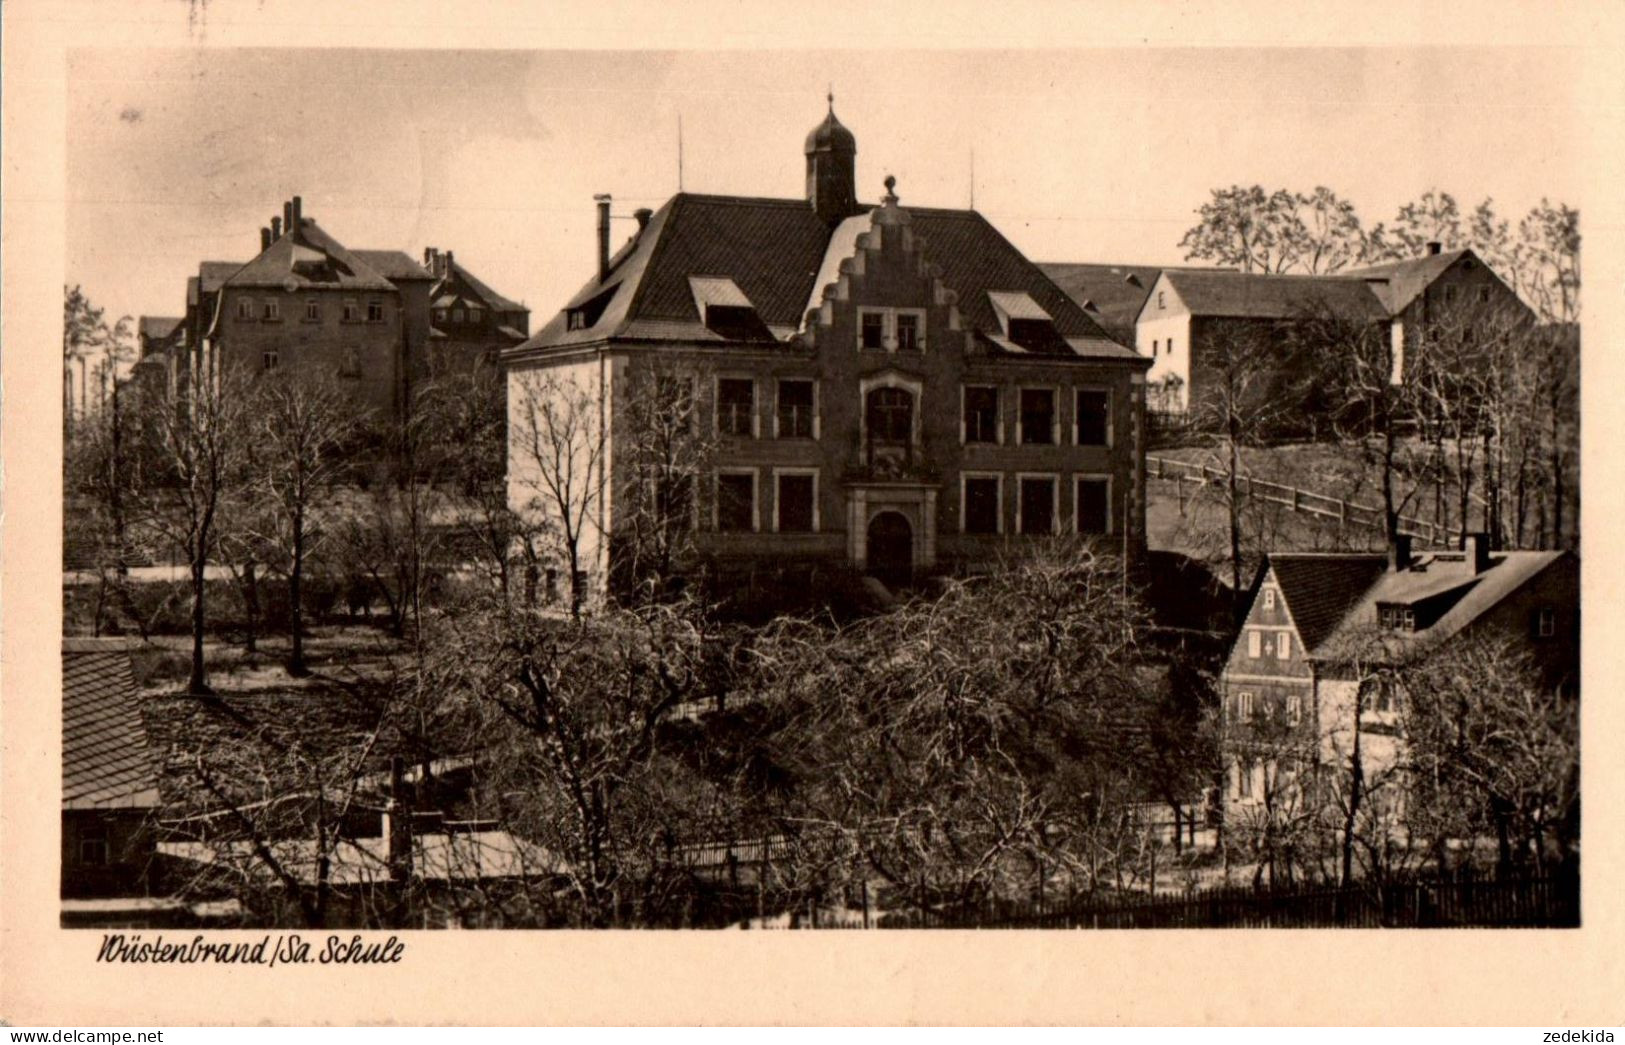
(440, 317)
(1094, 417)
(1545, 622)
(456, 315)
(872, 329)
(795, 502)
(1037, 415)
(736, 407)
(1036, 504)
(269, 360)
(1094, 498)
(908, 332)
(795, 412)
(272, 312)
(981, 418)
(313, 310)
(736, 502)
(1283, 646)
(1160, 302)
(1484, 295)
(476, 315)
(352, 311)
(245, 308)
(1255, 644)
(375, 312)
(1269, 598)
(980, 511)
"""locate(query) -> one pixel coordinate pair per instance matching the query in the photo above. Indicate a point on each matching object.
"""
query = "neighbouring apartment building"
(1289, 685)
(375, 320)
(1186, 311)
(891, 387)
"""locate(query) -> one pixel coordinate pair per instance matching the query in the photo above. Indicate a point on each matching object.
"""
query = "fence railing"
(1347, 513)
(1551, 902)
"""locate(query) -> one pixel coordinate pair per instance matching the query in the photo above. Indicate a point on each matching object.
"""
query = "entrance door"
(891, 549)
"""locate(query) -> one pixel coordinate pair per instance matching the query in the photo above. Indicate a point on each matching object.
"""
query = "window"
(575, 317)
(1294, 708)
(1269, 598)
(736, 406)
(1160, 302)
(1037, 415)
(270, 360)
(908, 333)
(981, 414)
(980, 511)
(271, 312)
(1449, 295)
(476, 315)
(1545, 622)
(1037, 504)
(375, 312)
(1093, 506)
(1244, 780)
(351, 367)
(1283, 646)
(313, 310)
(1392, 615)
(736, 502)
(796, 503)
(872, 329)
(674, 401)
(351, 310)
(93, 852)
(1255, 644)
(890, 416)
(795, 414)
(456, 315)
(1155, 347)
(1484, 295)
(673, 495)
(1244, 706)
(245, 308)
(1094, 417)
(1170, 348)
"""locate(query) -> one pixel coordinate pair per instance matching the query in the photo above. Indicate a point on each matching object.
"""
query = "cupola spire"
(831, 159)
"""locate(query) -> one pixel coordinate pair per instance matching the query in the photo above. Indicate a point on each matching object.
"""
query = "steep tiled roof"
(1117, 291)
(1319, 589)
(1398, 283)
(307, 258)
(105, 761)
(777, 252)
(157, 328)
(493, 301)
(393, 264)
(1252, 295)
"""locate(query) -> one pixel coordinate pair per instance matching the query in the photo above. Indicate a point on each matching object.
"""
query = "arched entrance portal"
(891, 549)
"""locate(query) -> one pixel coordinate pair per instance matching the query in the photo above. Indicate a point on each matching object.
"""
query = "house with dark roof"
(472, 323)
(890, 387)
(1319, 622)
(109, 776)
(1441, 296)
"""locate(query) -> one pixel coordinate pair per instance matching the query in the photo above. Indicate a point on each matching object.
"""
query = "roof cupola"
(831, 157)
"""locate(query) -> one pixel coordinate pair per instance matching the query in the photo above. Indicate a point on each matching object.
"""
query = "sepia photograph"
(856, 490)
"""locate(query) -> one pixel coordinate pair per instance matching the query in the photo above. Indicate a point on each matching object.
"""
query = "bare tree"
(558, 466)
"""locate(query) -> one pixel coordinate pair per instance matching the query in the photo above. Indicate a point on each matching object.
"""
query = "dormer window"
(1025, 322)
(1396, 617)
(586, 315)
(726, 311)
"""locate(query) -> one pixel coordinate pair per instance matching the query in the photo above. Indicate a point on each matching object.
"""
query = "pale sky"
(177, 156)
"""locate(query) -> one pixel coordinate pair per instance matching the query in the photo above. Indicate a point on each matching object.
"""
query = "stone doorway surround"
(916, 502)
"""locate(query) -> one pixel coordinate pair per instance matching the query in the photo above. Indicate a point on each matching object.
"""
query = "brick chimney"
(1399, 552)
(643, 214)
(603, 200)
(1476, 547)
(1434, 246)
(298, 213)
(276, 228)
(265, 237)
(287, 216)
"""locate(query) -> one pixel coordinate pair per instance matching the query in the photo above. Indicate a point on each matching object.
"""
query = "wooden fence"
(1308, 502)
(1552, 902)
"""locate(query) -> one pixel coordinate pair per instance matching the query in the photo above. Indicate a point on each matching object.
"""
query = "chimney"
(265, 237)
(446, 261)
(287, 215)
(643, 214)
(603, 199)
(428, 258)
(1477, 549)
(1399, 553)
(298, 217)
(1434, 246)
(276, 228)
